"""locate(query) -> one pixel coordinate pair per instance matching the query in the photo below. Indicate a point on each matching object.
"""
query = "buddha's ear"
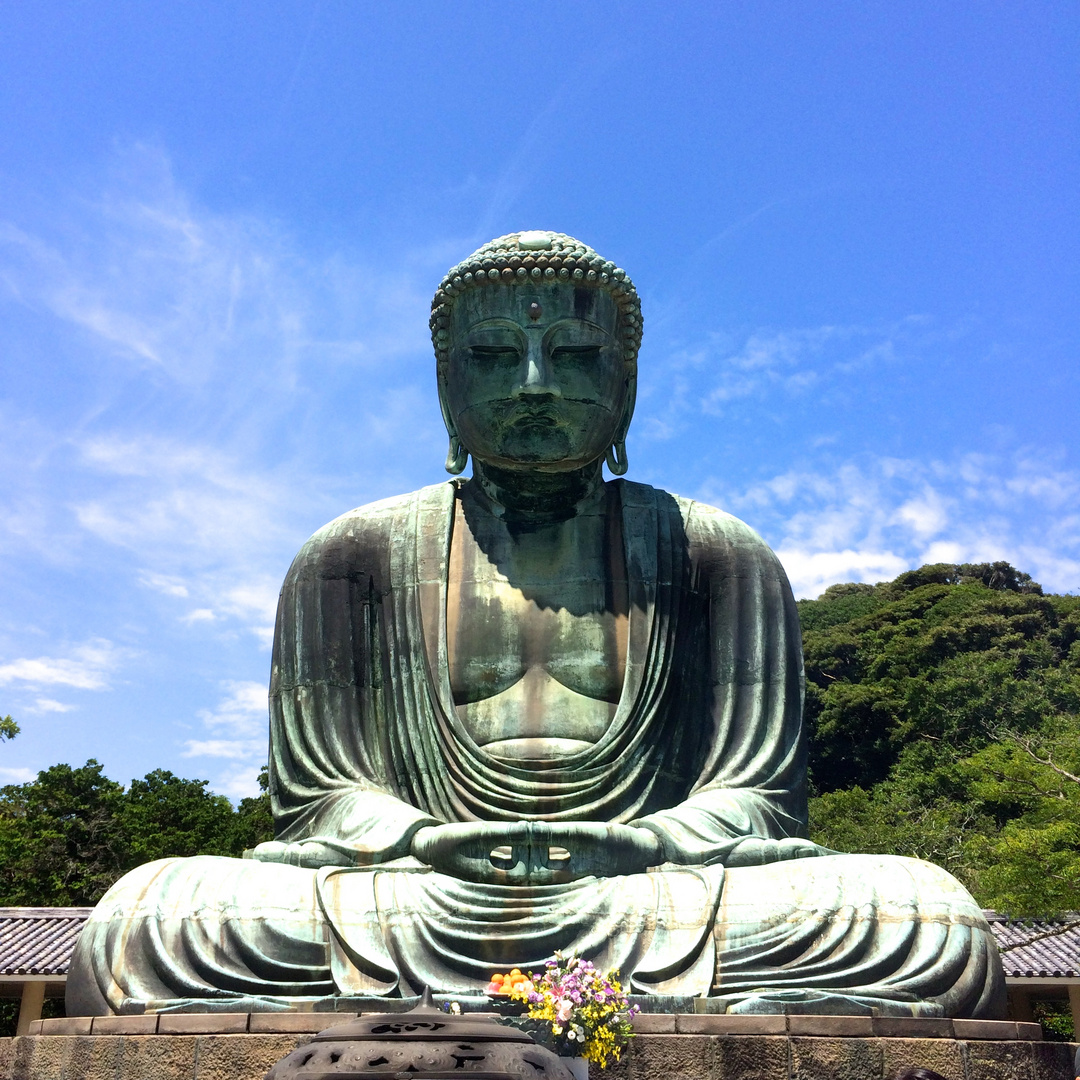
(628, 406)
(448, 420)
(457, 457)
(616, 455)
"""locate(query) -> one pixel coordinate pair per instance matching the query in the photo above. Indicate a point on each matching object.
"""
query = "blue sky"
(853, 227)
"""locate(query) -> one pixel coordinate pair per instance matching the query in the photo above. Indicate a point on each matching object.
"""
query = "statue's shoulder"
(382, 514)
(367, 532)
(702, 523)
(714, 538)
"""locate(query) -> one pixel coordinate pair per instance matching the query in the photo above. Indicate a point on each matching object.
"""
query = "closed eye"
(495, 352)
(580, 353)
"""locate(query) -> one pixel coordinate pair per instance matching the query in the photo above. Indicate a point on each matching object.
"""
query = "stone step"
(248, 1056)
(270, 1023)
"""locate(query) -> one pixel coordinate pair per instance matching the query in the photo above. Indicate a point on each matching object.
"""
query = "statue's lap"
(861, 926)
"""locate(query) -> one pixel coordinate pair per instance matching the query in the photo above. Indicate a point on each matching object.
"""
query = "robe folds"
(705, 750)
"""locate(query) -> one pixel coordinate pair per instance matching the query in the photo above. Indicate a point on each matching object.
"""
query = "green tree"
(163, 815)
(254, 823)
(943, 714)
(60, 837)
(8, 728)
(1031, 866)
(68, 835)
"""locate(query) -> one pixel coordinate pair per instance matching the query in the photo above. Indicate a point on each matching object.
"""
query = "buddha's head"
(536, 338)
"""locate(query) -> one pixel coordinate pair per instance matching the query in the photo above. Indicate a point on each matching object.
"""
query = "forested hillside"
(944, 718)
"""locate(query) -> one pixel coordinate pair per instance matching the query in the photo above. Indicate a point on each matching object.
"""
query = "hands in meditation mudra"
(533, 711)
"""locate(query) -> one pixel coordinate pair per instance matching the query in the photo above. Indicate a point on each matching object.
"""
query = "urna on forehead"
(537, 258)
(533, 306)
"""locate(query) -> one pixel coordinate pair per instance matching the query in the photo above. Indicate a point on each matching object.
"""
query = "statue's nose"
(536, 379)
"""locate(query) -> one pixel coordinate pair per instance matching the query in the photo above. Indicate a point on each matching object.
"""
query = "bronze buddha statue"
(535, 711)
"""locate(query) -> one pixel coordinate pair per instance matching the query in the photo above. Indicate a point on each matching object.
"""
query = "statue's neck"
(536, 498)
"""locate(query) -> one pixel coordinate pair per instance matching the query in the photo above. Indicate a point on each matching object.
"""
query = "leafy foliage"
(68, 835)
(8, 728)
(944, 718)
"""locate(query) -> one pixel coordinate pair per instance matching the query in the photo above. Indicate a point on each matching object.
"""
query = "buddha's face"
(536, 378)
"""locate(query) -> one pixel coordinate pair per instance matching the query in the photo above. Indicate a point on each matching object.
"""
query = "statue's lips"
(543, 415)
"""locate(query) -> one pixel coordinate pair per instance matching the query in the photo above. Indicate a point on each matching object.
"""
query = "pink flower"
(565, 1010)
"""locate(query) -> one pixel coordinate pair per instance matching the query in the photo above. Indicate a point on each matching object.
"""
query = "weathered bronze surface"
(535, 711)
(422, 1043)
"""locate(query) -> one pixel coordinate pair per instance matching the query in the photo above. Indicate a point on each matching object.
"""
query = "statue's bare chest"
(536, 633)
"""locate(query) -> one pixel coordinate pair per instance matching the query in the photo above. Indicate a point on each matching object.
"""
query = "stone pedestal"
(242, 1046)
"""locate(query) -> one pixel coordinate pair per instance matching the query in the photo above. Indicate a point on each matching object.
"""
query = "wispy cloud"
(87, 667)
(203, 614)
(710, 377)
(178, 506)
(210, 348)
(47, 705)
(870, 520)
(242, 709)
(212, 389)
(17, 776)
(169, 586)
(170, 286)
(237, 729)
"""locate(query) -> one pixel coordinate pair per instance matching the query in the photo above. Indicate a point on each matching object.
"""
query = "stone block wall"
(240, 1046)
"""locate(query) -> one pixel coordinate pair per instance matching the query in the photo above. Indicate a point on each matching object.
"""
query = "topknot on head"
(537, 256)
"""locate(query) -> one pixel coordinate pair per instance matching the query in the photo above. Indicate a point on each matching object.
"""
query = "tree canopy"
(944, 718)
(68, 835)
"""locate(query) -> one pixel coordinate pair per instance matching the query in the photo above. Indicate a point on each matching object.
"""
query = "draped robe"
(705, 749)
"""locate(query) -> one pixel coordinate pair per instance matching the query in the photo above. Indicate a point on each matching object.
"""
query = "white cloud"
(221, 748)
(238, 733)
(947, 551)
(198, 615)
(811, 573)
(17, 776)
(169, 586)
(255, 601)
(87, 668)
(48, 705)
(870, 520)
(926, 515)
(239, 783)
(243, 708)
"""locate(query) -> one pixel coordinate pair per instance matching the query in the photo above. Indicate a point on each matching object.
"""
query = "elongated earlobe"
(616, 458)
(457, 457)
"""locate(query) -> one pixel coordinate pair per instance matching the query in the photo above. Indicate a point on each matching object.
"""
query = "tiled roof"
(1034, 948)
(38, 941)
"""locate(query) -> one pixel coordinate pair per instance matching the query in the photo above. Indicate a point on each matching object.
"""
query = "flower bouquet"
(572, 1009)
